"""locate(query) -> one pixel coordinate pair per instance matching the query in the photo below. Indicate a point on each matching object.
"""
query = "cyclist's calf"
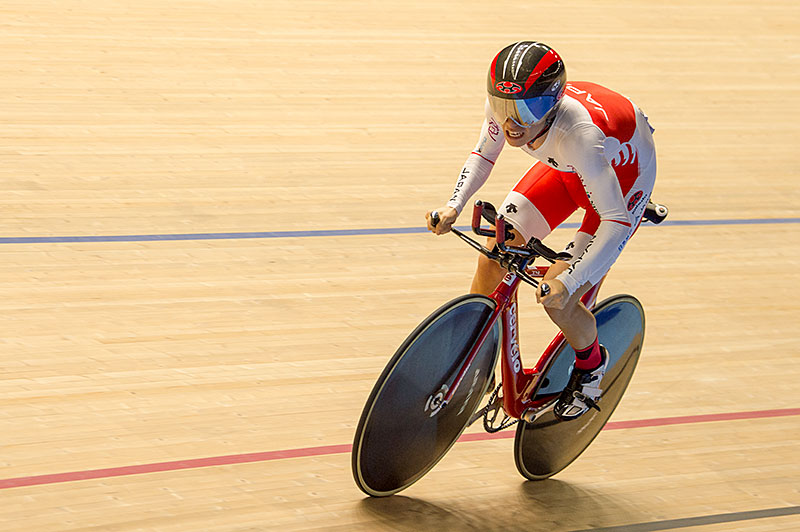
(574, 320)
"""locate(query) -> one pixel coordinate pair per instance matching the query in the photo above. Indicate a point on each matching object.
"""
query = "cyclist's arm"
(479, 164)
(584, 234)
(584, 146)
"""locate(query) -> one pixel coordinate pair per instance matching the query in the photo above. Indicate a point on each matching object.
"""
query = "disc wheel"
(548, 445)
(404, 430)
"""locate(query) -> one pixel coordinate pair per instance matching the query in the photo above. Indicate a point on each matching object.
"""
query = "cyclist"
(595, 151)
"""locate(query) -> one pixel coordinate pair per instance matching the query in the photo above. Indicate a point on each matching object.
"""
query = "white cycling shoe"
(582, 392)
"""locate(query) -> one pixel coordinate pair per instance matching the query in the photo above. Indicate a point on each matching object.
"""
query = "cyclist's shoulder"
(587, 92)
(592, 108)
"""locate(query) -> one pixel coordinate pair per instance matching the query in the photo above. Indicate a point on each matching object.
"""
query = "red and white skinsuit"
(599, 155)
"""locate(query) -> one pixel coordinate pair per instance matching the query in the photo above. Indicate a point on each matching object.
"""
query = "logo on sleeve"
(493, 130)
(634, 200)
(460, 183)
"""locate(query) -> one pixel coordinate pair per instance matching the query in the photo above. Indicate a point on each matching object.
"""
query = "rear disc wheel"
(548, 445)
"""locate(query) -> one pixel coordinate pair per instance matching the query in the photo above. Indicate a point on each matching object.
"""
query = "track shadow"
(407, 513)
(557, 505)
(548, 505)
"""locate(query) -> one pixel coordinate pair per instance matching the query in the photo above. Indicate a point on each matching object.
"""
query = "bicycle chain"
(495, 405)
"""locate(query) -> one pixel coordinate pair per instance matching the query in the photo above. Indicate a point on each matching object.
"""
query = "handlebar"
(504, 232)
(545, 289)
(516, 259)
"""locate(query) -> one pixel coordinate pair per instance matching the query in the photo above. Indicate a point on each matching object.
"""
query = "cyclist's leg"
(585, 385)
(555, 205)
(574, 320)
(541, 201)
(488, 274)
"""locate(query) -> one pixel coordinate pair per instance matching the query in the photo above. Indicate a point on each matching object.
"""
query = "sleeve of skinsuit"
(584, 146)
(480, 162)
(584, 234)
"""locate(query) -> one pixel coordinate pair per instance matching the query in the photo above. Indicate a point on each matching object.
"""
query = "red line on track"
(38, 480)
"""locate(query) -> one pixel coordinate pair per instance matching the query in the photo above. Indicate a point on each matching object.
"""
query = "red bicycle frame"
(519, 384)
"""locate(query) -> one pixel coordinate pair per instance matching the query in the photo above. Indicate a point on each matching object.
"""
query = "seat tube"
(513, 377)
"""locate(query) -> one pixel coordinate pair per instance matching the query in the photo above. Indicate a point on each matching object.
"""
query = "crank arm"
(494, 405)
(530, 414)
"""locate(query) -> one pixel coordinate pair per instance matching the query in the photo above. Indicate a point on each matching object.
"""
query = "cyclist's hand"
(558, 296)
(447, 217)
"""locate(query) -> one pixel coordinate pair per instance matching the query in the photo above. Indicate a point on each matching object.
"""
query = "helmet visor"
(525, 112)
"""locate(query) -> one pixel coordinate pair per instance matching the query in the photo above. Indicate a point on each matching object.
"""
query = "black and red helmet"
(526, 82)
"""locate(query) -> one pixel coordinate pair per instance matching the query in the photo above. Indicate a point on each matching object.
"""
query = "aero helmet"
(526, 82)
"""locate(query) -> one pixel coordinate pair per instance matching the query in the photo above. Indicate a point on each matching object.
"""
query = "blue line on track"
(331, 232)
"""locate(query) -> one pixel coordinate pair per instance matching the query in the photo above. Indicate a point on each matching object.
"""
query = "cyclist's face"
(517, 135)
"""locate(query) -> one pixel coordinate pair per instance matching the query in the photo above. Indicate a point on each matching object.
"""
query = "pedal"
(588, 401)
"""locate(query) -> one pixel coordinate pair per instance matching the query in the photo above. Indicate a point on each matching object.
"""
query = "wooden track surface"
(164, 118)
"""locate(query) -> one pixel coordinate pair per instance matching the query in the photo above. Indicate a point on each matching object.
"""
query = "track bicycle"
(429, 392)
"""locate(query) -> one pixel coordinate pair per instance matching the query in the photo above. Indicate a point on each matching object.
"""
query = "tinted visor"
(525, 112)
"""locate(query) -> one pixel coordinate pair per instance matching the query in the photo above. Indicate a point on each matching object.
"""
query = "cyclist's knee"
(561, 315)
(487, 266)
(487, 276)
(490, 270)
(573, 310)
